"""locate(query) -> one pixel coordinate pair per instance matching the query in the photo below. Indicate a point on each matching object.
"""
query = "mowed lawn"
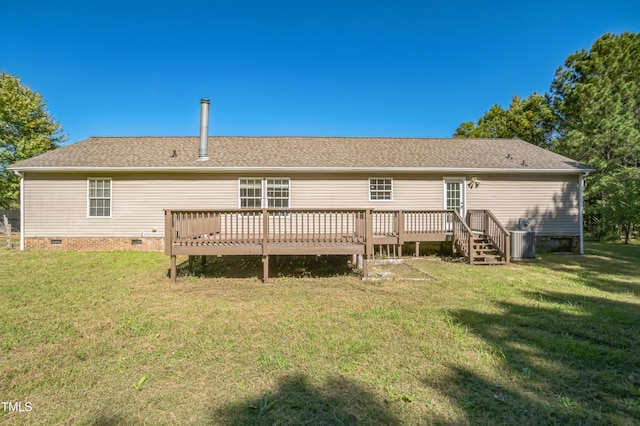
(105, 338)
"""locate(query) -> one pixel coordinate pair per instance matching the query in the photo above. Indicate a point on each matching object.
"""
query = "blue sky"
(312, 68)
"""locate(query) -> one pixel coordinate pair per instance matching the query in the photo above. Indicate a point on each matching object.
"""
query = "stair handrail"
(498, 235)
(462, 236)
(493, 230)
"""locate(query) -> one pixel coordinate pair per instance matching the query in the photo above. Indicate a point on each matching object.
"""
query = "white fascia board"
(218, 170)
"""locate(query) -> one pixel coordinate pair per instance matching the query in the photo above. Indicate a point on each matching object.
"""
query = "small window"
(250, 193)
(380, 189)
(99, 198)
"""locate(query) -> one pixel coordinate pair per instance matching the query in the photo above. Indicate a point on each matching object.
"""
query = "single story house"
(112, 192)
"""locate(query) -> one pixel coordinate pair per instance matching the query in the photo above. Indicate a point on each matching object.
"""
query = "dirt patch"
(396, 270)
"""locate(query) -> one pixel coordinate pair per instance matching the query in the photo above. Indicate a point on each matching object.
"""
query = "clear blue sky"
(317, 68)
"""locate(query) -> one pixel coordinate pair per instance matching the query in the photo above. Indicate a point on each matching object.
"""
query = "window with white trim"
(250, 193)
(278, 193)
(380, 189)
(99, 198)
(257, 192)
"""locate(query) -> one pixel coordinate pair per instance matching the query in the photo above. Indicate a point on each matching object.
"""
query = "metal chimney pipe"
(203, 154)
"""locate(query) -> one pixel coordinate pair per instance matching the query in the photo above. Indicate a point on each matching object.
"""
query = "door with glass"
(454, 196)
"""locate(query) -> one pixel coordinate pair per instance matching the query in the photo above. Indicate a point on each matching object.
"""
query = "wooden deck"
(266, 232)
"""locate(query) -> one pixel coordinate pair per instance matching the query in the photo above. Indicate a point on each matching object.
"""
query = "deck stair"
(484, 252)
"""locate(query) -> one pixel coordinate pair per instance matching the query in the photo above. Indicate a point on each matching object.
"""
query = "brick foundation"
(94, 243)
(550, 244)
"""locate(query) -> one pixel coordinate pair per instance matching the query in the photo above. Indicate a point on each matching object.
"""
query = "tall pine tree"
(596, 99)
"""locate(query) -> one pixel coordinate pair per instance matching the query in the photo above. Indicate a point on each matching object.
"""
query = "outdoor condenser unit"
(523, 244)
(523, 240)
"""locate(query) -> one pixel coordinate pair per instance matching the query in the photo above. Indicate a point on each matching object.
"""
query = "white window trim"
(110, 198)
(262, 188)
(379, 178)
(463, 187)
(264, 201)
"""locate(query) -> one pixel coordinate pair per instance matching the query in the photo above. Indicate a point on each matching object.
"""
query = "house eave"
(223, 170)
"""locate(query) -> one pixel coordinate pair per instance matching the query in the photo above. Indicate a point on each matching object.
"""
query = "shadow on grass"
(601, 264)
(569, 359)
(279, 266)
(297, 402)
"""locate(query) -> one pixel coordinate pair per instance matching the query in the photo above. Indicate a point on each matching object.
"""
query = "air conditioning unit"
(524, 224)
(523, 244)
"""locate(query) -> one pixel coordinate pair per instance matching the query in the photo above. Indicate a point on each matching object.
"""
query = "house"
(112, 192)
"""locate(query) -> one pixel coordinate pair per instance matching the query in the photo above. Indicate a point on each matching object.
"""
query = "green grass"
(550, 341)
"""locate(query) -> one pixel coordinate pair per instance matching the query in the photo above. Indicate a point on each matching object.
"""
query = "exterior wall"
(550, 201)
(55, 205)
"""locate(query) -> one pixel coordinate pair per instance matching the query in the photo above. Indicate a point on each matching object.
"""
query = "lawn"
(103, 338)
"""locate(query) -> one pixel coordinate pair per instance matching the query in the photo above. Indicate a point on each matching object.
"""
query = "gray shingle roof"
(155, 153)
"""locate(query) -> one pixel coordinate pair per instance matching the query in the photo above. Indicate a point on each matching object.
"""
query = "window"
(278, 193)
(250, 193)
(380, 189)
(275, 195)
(99, 198)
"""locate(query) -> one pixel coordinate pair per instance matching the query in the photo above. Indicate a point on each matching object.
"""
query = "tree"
(529, 119)
(592, 114)
(596, 99)
(26, 129)
(620, 196)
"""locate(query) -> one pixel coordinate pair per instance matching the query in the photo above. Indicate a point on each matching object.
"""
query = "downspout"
(17, 173)
(581, 208)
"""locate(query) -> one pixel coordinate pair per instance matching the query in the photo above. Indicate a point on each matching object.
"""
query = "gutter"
(581, 180)
(17, 173)
(218, 170)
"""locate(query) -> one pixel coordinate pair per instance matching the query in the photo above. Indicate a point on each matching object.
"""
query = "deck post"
(486, 222)
(365, 271)
(507, 249)
(265, 269)
(167, 232)
(369, 233)
(173, 274)
(417, 248)
(265, 246)
(400, 232)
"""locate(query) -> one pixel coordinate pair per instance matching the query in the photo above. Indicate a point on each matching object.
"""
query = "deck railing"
(404, 223)
(193, 227)
(256, 226)
(354, 231)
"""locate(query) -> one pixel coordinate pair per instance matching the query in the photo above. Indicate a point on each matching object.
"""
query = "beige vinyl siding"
(352, 191)
(550, 201)
(56, 204)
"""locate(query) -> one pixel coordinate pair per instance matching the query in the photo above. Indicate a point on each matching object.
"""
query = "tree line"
(590, 114)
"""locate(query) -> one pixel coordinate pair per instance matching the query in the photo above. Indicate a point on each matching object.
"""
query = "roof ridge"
(307, 137)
